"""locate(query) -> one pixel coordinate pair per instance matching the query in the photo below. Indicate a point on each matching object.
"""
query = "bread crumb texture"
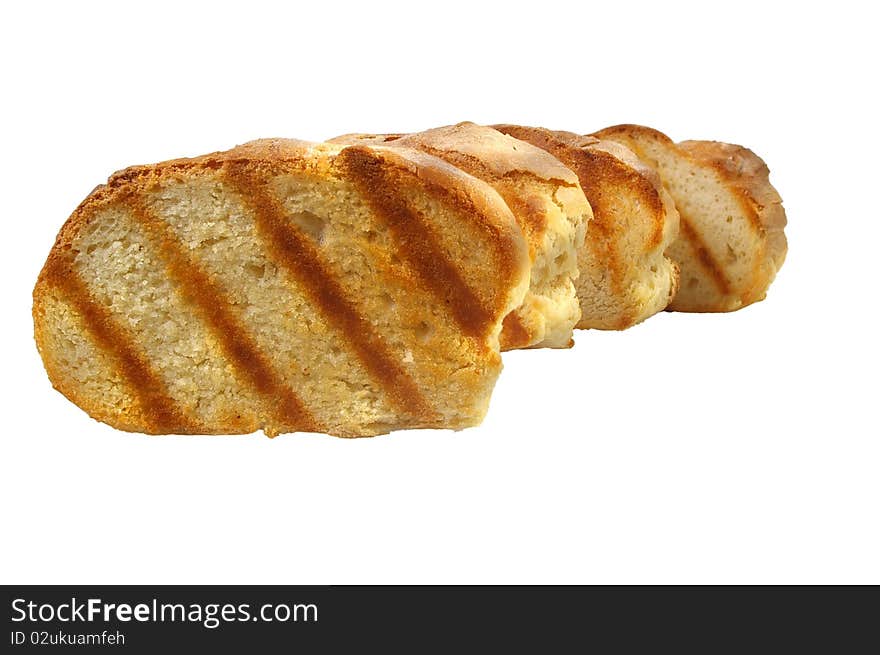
(283, 286)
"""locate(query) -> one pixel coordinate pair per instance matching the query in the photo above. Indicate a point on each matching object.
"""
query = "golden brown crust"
(246, 168)
(633, 131)
(480, 148)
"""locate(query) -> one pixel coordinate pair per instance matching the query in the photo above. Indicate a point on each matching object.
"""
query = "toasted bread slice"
(282, 286)
(624, 275)
(732, 240)
(549, 205)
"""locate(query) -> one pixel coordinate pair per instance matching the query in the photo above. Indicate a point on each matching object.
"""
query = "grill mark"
(660, 216)
(532, 221)
(156, 402)
(514, 333)
(417, 240)
(528, 210)
(739, 167)
(750, 205)
(200, 290)
(704, 257)
(604, 247)
(529, 214)
(601, 172)
(303, 262)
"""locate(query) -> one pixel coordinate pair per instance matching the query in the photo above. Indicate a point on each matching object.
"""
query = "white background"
(738, 448)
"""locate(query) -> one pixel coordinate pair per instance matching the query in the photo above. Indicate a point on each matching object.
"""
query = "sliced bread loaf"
(548, 203)
(624, 275)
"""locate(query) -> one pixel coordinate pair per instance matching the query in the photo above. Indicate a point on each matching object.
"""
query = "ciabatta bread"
(282, 286)
(731, 242)
(624, 275)
(547, 201)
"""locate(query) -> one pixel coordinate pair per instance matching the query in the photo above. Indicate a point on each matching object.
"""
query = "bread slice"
(624, 275)
(282, 286)
(549, 205)
(731, 242)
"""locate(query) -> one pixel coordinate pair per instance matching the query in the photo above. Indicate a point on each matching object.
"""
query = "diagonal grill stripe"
(602, 240)
(159, 409)
(532, 222)
(303, 262)
(707, 261)
(199, 289)
(417, 240)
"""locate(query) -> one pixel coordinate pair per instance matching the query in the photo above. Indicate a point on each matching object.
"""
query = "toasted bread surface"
(282, 286)
(547, 201)
(732, 240)
(624, 275)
